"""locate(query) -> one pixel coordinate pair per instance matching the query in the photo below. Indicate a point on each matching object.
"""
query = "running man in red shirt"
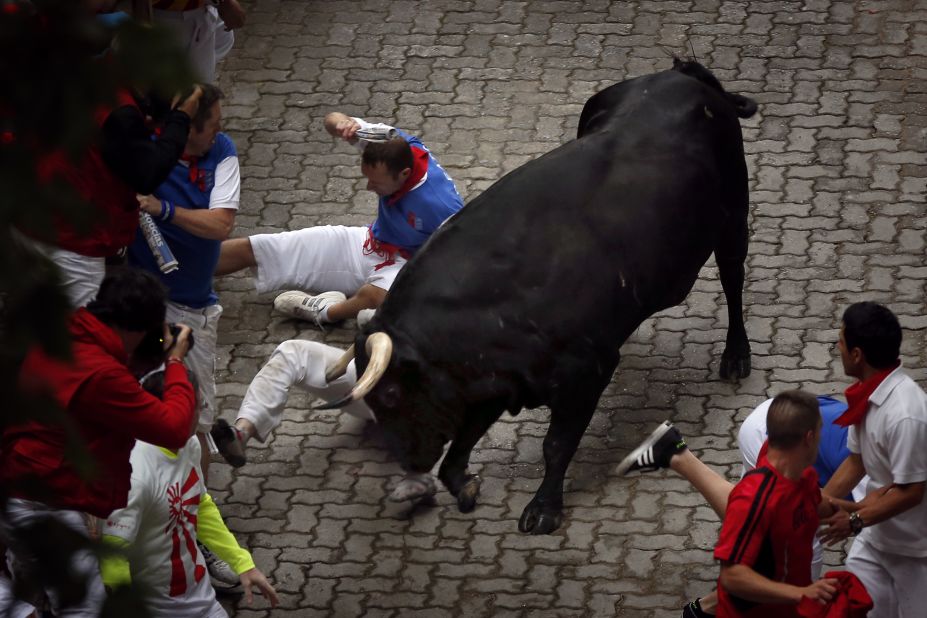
(770, 516)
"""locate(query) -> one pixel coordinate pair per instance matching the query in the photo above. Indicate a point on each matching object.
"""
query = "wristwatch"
(856, 523)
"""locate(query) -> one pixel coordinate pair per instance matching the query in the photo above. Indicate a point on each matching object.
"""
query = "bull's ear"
(745, 106)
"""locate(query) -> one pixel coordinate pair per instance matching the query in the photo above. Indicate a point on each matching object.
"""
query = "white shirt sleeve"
(226, 193)
(853, 439)
(752, 435)
(908, 459)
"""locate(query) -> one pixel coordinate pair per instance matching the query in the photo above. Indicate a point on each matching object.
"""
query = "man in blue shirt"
(195, 211)
(357, 265)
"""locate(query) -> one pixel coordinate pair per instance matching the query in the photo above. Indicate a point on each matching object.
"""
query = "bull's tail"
(745, 106)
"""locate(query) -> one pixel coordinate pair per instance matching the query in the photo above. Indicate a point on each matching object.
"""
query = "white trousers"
(81, 275)
(895, 583)
(202, 34)
(296, 363)
(22, 513)
(319, 259)
(201, 359)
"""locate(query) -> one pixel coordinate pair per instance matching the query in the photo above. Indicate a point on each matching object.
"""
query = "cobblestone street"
(837, 178)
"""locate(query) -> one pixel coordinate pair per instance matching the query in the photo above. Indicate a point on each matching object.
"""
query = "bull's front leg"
(544, 513)
(453, 472)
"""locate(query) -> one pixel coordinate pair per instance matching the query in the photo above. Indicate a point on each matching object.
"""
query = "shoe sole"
(652, 439)
(232, 457)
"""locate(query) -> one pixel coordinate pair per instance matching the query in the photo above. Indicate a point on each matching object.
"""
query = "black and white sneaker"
(693, 609)
(223, 578)
(229, 442)
(655, 452)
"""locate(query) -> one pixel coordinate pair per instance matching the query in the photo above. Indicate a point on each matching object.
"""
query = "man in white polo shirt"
(887, 416)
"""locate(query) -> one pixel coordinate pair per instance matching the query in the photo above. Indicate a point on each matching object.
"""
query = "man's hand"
(232, 15)
(821, 591)
(254, 577)
(178, 347)
(150, 204)
(191, 103)
(347, 129)
(343, 126)
(837, 526)
(826, 508)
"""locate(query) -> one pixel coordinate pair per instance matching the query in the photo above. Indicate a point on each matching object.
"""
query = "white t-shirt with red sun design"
(159, 522)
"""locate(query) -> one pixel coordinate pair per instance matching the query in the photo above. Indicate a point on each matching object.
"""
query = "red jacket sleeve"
(113, 397)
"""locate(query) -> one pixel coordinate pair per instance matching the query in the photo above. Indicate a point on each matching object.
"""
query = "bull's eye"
(708, 112)
(390, 396)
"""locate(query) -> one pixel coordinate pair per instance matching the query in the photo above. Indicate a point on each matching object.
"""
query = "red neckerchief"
(858, 397)
(383, 249)
(197, 176)
(419, 168)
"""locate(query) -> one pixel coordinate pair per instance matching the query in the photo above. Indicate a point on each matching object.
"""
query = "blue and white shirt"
(212, 181)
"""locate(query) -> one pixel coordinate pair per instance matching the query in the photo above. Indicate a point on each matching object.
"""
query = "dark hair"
(130, 299)
(395, 153)
(875, 330)
(791, 415)
(211, 94)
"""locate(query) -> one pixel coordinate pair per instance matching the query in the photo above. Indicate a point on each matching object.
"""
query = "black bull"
(524, 297)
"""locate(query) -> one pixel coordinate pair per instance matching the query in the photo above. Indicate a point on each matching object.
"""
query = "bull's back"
(580, 244)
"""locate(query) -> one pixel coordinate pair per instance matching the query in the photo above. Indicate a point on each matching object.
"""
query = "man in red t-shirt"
(765, 546)
(770, 516)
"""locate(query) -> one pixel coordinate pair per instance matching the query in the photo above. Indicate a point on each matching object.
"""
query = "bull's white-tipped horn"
(341, 366)
(379, 350)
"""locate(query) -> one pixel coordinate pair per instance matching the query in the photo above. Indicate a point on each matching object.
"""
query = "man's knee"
(235, 254)
(370, 296)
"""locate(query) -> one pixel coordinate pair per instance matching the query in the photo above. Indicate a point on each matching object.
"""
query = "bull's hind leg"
(453, 472)
(730, 255)
(544, 513)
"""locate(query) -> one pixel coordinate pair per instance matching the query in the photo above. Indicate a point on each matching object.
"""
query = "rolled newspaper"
(376, 133)
(162, 253)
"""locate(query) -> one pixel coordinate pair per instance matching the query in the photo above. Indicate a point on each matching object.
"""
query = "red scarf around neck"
(858, 397)
(197, 176)
(419, 168)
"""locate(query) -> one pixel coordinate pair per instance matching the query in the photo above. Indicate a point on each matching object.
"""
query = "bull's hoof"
(734, 367)
(466, 497)
(539, 520)
(415, 487)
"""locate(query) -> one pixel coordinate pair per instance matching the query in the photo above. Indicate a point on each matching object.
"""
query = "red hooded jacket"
(109, 409)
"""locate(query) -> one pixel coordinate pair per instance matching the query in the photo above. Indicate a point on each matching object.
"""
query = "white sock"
(323, 315)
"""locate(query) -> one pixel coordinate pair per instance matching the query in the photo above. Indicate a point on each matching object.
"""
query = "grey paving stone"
(838, 183)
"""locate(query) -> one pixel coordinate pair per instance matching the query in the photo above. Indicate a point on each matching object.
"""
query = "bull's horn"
(379, 350)
(341, 366)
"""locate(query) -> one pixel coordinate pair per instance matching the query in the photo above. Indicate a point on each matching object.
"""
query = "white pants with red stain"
(320, 259)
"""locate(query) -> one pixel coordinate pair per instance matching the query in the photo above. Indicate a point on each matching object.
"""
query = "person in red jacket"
(106, 408)
(121, 162)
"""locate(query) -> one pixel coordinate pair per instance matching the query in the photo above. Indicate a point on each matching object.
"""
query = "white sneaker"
(299, 305)
(364, 316)
(221, 574)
